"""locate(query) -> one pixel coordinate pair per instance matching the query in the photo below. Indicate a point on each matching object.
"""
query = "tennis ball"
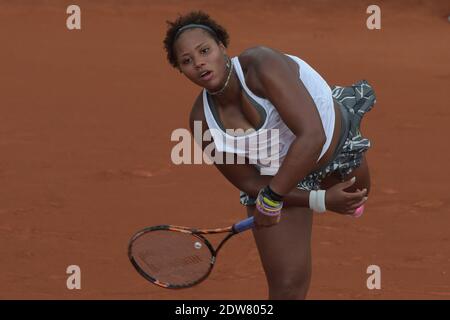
(358, 213)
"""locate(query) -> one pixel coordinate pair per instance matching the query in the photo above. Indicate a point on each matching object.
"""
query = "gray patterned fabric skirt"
(354, 101)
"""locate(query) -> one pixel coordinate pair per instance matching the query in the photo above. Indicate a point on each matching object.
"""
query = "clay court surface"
(85, 124)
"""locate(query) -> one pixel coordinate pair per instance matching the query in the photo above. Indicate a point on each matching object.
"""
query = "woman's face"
(201, 59)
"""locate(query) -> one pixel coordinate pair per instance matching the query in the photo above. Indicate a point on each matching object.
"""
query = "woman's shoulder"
(197, 108)
(253, 60)
(197, 113)
(252, 57)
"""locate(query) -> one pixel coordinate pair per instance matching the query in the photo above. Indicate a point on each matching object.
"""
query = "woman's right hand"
(340, 201)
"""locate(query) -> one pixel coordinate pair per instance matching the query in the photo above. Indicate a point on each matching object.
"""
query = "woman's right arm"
(247, 178)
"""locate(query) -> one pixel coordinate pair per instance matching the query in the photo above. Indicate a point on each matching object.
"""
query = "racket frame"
(198, 233)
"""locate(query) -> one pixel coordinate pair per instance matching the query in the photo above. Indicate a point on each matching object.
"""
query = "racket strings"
(174, 258)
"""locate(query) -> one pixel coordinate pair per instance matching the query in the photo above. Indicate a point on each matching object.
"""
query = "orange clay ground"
(85, 124)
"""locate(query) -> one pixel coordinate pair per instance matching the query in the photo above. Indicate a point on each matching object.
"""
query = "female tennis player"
(319, 163)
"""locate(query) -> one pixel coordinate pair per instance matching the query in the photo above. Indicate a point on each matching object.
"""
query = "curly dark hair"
(197, 17)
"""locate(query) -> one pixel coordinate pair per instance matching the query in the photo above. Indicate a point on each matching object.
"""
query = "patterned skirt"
(354, 101)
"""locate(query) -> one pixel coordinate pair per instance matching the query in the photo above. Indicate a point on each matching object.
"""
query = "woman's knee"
(285, 252)
(290, 286)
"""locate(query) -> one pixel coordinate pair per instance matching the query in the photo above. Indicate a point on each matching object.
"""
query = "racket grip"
(244, 225)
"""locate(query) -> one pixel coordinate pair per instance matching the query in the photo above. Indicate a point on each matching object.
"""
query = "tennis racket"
(177, 257)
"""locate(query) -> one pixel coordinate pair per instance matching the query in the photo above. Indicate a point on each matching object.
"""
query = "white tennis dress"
(267, 146)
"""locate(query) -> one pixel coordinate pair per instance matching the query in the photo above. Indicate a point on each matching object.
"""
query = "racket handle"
(244, 225)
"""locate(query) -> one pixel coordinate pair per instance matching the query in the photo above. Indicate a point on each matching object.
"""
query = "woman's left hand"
(264, 221)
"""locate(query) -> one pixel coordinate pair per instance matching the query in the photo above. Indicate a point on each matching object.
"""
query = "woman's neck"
(231, 96)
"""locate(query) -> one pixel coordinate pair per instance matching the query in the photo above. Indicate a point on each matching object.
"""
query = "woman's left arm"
(282, 87)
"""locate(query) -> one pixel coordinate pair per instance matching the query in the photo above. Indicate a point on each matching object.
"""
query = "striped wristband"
(268, 202)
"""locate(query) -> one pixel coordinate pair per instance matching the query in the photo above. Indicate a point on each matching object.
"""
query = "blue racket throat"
(244, 225)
